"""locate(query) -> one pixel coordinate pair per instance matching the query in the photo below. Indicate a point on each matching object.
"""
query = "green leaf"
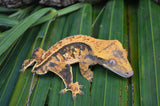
(6, 21)
(70, 9)
(149, 52)
(10, 70)
(7, 10)
(5, 54)
(133, 53)
(52, 15)
(24, 81)
(14, 33)
(21, 90)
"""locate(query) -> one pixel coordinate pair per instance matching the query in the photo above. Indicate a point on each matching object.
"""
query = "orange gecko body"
(84, 50)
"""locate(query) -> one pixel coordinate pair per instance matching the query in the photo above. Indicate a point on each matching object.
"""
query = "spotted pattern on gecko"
(84, 50)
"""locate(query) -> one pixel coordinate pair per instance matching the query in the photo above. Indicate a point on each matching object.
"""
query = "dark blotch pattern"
(33, 54)
(109, 46)
(39, 68)
(81, 46)
(49, 59)
(118, 53)
(52, 64)
(94, 58)
(102, 61)
(42, 69)
(66, 74)
(57, 58)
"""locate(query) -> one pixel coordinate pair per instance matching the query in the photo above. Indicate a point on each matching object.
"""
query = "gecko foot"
(75, 88)
(90, 76)
(63, 91)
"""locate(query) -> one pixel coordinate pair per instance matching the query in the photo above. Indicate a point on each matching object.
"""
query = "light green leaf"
(2, 9)
(70, 9)
(5, 21)
(14, 33)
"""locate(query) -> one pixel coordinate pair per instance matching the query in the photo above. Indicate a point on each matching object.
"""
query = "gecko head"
(116, 60)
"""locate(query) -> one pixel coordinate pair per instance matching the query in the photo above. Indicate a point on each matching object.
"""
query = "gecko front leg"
(84, 66)
(35, 58)
(85, 71)
(65, 72)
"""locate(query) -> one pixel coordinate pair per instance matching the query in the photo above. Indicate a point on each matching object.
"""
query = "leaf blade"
(16, 59)
(147, 52)
(13, 34)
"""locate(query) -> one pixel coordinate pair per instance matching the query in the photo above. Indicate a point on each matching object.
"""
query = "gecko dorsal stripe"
(84, 50)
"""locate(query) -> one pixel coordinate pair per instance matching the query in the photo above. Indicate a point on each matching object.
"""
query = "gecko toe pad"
(75, 88)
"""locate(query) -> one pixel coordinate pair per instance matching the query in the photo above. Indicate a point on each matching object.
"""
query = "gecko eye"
(112, 62)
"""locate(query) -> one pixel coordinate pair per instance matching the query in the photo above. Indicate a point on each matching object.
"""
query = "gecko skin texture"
(84, 50)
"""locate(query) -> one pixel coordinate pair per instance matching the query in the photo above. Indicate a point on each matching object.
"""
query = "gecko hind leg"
(85, 71)
(66, 74)
(74, 88)
(35, 58)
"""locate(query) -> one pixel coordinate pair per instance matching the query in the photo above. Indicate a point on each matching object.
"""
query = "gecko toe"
(81, 93)
(90, 80)
(63, 91)
(73, 97)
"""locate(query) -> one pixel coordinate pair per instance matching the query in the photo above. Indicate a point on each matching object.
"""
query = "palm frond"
(136, 26)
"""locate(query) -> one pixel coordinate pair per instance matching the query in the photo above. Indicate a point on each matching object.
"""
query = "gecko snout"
(129, 74)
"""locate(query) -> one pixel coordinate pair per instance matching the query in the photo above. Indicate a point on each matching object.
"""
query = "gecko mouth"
(126, 75)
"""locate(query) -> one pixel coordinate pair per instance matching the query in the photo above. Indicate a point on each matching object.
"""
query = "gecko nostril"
(129, 74)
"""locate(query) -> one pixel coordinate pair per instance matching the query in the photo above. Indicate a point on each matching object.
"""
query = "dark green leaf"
(10, 70)
(133, 42)
(149, 52)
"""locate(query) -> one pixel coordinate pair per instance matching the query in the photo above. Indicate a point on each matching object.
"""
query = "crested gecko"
(84, 50)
